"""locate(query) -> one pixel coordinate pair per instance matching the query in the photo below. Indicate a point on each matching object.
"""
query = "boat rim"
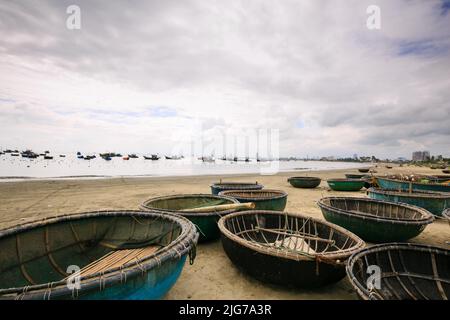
(413, 194)
(276, 194)
(334, 255)
(185, 243)
(363, 292)
(304, 178)
(413, 182)
(427, 217)
(144, 205)
(345, 180)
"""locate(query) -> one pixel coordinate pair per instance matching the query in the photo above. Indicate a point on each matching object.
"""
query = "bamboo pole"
(222, 207)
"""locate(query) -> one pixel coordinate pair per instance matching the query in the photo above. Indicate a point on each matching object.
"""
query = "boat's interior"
(185, 202)
(406, 274)
(47, 253)
(288, 233)
(254, 194)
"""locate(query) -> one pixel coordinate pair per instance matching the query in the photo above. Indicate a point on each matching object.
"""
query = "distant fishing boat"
(126, 158)
(152, 157)
(62, 155)
(48, 157)
(14, 154)
(80, 156)
(173, 157)
(133, 156)
(207, 159)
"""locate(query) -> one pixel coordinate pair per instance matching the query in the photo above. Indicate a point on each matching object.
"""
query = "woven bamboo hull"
(356, 176)
(206, 222)
(304, 182)
(375, 220)
(285, 272)
(405, 185)
(267, 204)
(216, 188)
(346, 185)
(374, 231)
(152, 285)
(408, 272)
(136, 255)
(432, 204)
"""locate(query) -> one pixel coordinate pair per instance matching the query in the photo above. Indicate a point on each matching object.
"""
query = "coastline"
(212, 276)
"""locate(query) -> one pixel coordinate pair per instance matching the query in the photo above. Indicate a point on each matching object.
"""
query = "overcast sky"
(143, 76)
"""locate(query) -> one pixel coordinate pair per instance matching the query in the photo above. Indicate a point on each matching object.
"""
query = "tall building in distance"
(421, 156)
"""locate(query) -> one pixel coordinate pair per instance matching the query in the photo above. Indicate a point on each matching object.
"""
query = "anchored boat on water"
(121, 254)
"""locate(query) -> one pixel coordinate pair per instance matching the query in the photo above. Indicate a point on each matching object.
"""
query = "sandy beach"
(212, 276)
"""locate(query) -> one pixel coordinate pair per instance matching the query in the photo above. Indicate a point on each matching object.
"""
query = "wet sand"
(212, 276)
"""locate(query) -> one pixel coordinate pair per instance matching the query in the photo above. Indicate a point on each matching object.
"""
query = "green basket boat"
(304, 182)
(435, 202)
(206, 222)
(263, 199)
(115, 254)
(218, 187)
(394, 184)
(346, 184)
(357, 176)
(376, 220)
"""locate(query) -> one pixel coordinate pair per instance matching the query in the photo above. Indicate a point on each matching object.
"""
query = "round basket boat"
(218, 187)
(357, 176)
(287, 249)
(363, 170)
(435, 202)
(205, 221)
(376, 220)
(304, 182)
(116, 254)
(446, 171)
(263, 199)
(395, 184)
(407, 272)
(346, 184)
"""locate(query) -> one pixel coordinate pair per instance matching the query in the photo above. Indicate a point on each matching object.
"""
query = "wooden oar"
(222, 207)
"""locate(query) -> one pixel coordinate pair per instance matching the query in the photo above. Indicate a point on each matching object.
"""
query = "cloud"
(162, 68)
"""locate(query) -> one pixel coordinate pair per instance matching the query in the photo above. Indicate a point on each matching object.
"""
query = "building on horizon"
(421, 156)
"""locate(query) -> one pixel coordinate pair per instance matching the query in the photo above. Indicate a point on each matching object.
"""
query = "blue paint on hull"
(152, 285)
(404, 185)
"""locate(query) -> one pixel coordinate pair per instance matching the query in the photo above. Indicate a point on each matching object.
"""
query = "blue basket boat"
(116, 255)
(386, 183)
(435, 202)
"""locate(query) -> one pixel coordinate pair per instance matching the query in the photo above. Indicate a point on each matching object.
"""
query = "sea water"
(18, 168)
